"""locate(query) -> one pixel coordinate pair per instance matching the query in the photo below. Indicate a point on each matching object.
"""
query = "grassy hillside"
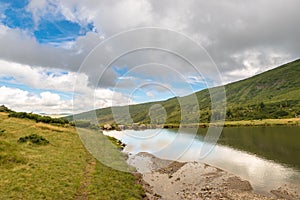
(272, 94)
(60, 169)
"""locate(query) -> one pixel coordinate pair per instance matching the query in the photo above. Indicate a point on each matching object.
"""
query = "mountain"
(272, 94)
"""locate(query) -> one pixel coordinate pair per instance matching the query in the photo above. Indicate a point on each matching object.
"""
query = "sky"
(54, 54)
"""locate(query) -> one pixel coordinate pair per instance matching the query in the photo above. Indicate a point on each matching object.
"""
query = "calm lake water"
(268, 157)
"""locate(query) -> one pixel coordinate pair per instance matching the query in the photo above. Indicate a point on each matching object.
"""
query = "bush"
(34, 139)
(4, 109)
(39, 118)
(281, 113)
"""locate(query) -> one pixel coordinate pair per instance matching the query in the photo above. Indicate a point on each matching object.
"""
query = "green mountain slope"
(272, 94)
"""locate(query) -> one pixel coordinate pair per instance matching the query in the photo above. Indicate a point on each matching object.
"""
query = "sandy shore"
(163, 179)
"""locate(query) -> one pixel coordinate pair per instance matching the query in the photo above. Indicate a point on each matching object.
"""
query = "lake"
(268, 157)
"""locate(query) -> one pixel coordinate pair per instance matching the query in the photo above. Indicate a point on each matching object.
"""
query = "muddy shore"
(163, 179)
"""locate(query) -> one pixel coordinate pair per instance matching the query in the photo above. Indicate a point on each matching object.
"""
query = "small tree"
(229, 113)
(262, 105)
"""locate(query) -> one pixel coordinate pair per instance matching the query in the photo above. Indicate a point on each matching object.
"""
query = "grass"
(62, 169)
(50, 127)
(113, 184)
(104, 150)
(240, 123)
(264, 122)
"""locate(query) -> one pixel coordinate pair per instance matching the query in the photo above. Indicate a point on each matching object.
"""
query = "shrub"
(34, 139)
(39, 118)
(281, 113)
(4, 109)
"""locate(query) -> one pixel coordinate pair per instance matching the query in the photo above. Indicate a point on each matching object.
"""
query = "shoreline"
(164, 179)
(240, 123)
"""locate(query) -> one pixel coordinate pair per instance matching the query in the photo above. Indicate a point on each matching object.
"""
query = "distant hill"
(272, 94)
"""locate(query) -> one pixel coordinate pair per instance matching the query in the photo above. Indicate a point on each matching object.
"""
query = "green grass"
(264, 122)
(113, 184)
(57, 170)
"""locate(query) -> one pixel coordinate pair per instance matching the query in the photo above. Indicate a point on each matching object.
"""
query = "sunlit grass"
(55, 170)
(52, 128)
(264, 122)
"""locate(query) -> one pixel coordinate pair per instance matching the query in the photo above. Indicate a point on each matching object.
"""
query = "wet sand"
(163, 179)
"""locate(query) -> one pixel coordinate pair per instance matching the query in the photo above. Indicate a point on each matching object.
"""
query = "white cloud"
(52, 103)
(21, 100)
(99, 98)
(253, 62)
(86, 97)
(42, 8)
(21, 47)
(196, 79)
(43, 78)
(49, 99)
(150, 94)
(37, 8)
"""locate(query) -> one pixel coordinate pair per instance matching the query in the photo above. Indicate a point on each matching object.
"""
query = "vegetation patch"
(50, 127)
(4, 109)
(34, 139)
(38, 118)
(9, 156)
(116, 142)
(10, 159)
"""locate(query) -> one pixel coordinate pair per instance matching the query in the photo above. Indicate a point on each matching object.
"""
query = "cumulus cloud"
(22, 48)
(242, 37)
(43, 78)
(52, 103)
(86, 97)
(22, 100)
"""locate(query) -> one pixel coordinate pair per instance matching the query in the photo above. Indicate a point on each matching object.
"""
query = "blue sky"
(52, 27)
(44, 42)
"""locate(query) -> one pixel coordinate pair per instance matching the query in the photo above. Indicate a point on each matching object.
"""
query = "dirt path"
(82, 191)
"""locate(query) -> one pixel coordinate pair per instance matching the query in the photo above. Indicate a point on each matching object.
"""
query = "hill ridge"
(272, 94)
